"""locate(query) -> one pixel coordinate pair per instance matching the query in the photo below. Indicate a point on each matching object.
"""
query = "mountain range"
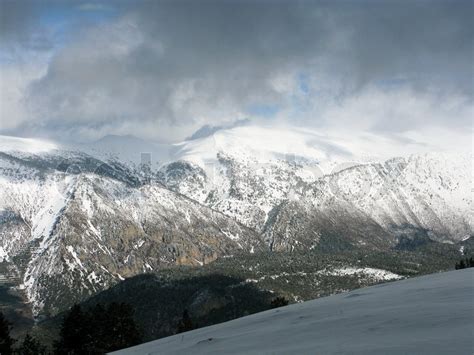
(76, 219)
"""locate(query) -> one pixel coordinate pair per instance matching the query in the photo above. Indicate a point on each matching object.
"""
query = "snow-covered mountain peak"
(265, 144)
(88, 210)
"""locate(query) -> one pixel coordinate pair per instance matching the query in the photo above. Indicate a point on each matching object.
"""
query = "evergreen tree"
(98, 330)
(31, 346)
(74, 333)
(185, 324)
(460, 265)
(465, 263)
(96, 338)
(119, 328)
(279, 302)
(6, 341)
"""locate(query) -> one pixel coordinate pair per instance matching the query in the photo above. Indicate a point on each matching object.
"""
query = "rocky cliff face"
(377, 204)
(371, 204)
(82, 232)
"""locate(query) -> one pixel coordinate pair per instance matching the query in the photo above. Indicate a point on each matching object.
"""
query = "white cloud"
(160, 70)
(14, 81)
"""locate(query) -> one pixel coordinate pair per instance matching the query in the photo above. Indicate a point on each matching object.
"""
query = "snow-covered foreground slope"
(426, 315)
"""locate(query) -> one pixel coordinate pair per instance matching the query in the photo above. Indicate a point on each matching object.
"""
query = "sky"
(160, 70)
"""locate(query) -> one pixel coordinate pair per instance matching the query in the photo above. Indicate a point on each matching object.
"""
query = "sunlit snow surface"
(27, 145)
(264, 144)
(331, 151)
(433, 314)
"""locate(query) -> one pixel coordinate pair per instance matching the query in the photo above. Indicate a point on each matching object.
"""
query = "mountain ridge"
(56, 205)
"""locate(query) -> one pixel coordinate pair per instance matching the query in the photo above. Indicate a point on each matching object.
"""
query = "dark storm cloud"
(163, 64)
(425, 41)
(20, 26)
(15, 16)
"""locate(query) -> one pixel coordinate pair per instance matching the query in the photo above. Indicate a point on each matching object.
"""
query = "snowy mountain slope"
(27, 145)
(251, 173)
(263, 144)
(68, 212)
(423, 195)
(80, 230)
(108, 232)
(425, 315)
(246, 171)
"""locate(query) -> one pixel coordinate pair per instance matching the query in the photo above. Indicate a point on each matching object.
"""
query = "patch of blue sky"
(303, 83)
(263, 110)
(301, 100)
(64, 18)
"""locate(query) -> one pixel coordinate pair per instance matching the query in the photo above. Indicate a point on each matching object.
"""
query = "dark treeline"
(279, 302)
(185, 324)
(98, 330)
(6, 341)
(29, 346)
(465, 263)
(93, 331)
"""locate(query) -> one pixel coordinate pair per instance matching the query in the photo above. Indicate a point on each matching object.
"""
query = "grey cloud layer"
(161, 67)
